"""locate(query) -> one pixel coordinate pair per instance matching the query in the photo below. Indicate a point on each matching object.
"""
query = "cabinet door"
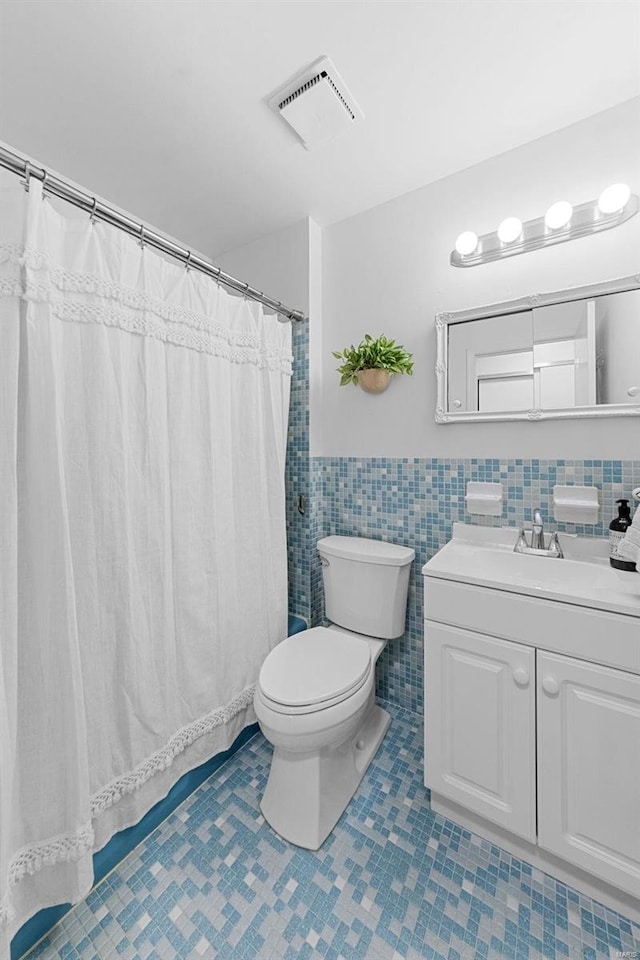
(480, 725)
(589, 767)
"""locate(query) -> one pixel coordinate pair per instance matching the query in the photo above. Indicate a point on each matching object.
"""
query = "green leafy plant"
(370, 354)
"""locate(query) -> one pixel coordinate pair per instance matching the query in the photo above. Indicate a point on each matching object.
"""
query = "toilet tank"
(366, 584)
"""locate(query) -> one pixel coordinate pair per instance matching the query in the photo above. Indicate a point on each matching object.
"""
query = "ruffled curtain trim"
(35, 856)
(163, 758)
(163, 321)
(73, 846)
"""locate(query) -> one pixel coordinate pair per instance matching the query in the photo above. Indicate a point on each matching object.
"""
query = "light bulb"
(510, 229)
(558, 215)
(466, 243)
(614, 198)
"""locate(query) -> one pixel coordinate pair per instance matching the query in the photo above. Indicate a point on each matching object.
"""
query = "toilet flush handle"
(323, 560)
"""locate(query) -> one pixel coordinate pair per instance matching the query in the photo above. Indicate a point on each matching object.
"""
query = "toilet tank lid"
(366, 551)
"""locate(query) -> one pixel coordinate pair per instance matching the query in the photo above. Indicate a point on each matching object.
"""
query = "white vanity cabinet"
(589, 767)
(532, 709)
(481, 734)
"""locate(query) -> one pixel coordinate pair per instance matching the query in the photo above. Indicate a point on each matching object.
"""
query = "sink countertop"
(484, 556)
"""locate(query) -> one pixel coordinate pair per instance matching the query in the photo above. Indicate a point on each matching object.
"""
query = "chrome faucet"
(537, 530)
(537, 539)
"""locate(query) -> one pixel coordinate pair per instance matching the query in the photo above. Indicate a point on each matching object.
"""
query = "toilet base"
(307, 792)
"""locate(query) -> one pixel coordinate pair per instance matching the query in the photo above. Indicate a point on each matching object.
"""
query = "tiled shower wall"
(297, 476)
(304, 517)
(412, 502)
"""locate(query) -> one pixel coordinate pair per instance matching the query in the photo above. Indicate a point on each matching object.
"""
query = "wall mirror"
(572, 353)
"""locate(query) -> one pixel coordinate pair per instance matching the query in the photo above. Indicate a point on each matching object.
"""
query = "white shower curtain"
(143, 418)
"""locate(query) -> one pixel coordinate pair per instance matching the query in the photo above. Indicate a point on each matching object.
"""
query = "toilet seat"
(313, 670)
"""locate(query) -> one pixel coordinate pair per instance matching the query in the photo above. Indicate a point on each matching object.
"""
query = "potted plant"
(372, 363)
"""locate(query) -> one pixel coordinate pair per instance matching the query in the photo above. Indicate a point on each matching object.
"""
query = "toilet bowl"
(325, 739)
(315, 696)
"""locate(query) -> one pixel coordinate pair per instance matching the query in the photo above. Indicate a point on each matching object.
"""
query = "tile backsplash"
(414, 503)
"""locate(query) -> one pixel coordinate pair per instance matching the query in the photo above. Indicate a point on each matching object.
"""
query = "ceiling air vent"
(317, 104)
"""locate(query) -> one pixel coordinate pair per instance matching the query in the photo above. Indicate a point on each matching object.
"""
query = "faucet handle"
(555, 550)
(521, 543)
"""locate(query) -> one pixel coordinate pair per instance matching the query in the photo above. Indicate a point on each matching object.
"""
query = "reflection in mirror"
(491, 363)
(618, 347)
(559, 356)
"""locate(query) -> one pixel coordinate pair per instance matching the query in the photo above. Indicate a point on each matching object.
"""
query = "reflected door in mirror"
(573, 354)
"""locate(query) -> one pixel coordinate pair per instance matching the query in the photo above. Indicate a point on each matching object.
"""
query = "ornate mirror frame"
(444, 320)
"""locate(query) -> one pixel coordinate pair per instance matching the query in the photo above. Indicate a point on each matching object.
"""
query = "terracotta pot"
(374, 381)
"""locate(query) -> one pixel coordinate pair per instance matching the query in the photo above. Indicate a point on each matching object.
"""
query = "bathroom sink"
(484, 556)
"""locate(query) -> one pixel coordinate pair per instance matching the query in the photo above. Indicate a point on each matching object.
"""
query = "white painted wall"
(387, 271)
(277, 264)
(316, 349)
(287, 265)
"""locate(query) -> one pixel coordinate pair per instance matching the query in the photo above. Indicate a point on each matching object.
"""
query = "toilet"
(315, 696)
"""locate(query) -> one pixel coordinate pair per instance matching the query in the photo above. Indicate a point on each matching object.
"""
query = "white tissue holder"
(484, 499)
(576, 504)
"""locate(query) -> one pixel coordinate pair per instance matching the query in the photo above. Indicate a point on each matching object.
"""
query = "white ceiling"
(159, 106)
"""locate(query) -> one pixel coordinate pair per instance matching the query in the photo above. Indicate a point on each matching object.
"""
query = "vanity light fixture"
(509, 230)
(614, 198)
(558, 215)
(561, 222)
(467, 243)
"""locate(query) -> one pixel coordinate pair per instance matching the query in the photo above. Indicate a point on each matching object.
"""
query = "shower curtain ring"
(27, 175)
(246, 291)
(188, 261)
(94, 206)
(141, 237)
(44, 180)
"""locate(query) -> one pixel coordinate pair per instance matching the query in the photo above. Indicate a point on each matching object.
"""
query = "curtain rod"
(20, 165)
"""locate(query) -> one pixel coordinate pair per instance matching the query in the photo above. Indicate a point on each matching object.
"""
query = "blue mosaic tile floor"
(393, 881)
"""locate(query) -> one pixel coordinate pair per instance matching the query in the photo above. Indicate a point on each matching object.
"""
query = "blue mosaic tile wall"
(304, 529)
(297, 477)
(316, 531)
(414, 502)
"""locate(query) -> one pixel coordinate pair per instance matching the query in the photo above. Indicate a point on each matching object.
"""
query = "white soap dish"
(576, 504)
(484, 499)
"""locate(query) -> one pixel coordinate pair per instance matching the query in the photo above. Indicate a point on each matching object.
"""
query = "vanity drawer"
(608, 638)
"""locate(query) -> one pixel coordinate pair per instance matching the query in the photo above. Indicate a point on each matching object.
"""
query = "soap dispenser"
(617, 529)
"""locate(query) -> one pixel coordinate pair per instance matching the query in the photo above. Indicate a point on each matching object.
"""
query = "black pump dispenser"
(617, 529)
